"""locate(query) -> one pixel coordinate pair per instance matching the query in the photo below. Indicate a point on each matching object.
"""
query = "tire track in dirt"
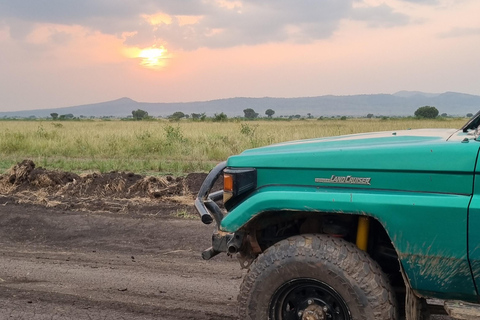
(108, 274)
(161, 290)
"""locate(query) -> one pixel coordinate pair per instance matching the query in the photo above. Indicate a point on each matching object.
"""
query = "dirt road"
(59, 264)
(65, 265)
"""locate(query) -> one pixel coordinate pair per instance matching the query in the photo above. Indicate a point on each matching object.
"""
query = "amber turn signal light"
(227, 182)
(237, 182)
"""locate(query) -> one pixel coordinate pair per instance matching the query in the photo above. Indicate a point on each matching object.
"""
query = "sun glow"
(153, 57)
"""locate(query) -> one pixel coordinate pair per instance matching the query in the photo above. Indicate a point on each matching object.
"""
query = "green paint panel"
(474, 230)
(395, 153)
(420, 225)
(420, 183)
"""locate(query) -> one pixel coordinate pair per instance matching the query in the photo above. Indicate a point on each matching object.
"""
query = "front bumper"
(209, 211)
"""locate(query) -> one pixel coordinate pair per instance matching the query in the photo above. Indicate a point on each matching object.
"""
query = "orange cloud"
(158, 18)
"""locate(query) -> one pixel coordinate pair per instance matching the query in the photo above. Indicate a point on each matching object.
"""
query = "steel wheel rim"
(291, 300)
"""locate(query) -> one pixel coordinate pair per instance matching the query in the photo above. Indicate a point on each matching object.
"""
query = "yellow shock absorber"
(362, 232)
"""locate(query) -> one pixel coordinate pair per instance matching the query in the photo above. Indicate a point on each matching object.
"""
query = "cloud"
(460, 32)
(381, 16)
(429, 2)
(106, 16)
(224, 23)
(216, 23)
(255, 22)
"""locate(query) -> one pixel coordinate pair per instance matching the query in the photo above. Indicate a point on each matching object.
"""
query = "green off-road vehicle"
(365, 226)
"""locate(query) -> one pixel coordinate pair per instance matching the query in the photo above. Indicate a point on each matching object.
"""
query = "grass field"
(163, 147)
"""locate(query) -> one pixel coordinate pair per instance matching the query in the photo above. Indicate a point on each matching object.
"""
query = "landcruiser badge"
(345, 180)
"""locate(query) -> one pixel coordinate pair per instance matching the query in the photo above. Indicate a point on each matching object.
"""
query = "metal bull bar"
(205, 201)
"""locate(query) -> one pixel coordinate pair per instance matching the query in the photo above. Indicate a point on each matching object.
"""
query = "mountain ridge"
(401, 103)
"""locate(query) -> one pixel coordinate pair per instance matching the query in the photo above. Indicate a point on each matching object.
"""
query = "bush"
(139, 114)
(177, 115)
(250, 113)
(426, 112)
(220, 117)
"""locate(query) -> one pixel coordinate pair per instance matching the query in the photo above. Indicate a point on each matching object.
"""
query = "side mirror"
(477, 133)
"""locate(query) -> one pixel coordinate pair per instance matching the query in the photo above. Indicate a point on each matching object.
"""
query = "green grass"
(184, 214)
(163, 147)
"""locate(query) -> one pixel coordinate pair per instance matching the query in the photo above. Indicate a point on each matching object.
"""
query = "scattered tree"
(250, 113)
(220, 117)
(469, 115)
(139, 114)
(444, 115)
(54, 115)
(370, 115)
(343, 118)
(270, 112)
(65, 116)
(177, 115)
(198, 116)
(195, 116)
(427, 112)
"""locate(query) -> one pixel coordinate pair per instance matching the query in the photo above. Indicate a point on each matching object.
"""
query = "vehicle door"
(473, 231)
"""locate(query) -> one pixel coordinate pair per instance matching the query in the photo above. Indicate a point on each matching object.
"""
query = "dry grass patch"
(166, 147)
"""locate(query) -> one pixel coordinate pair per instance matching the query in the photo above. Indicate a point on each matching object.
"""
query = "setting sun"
(153, 57)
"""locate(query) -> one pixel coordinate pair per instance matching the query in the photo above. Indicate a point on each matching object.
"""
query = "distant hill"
(403, 103)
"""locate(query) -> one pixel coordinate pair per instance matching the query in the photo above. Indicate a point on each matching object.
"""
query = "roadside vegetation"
(161, 146)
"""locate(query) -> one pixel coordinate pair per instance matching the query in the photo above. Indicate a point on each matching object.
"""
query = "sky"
(60, 53)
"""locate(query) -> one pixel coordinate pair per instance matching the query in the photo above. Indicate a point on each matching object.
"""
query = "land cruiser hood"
(424, 149)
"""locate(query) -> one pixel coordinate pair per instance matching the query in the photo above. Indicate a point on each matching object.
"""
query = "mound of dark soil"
(28, 183)
(193, 182)
(25, 176)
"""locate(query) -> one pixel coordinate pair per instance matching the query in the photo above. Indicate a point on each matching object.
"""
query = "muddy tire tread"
(356, 264)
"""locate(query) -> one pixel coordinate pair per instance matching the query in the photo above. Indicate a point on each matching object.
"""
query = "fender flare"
(433, 261)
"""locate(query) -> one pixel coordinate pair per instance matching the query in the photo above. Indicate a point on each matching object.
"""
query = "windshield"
(473, 123)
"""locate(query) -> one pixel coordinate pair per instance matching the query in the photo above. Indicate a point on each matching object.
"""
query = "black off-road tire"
(310, 268)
